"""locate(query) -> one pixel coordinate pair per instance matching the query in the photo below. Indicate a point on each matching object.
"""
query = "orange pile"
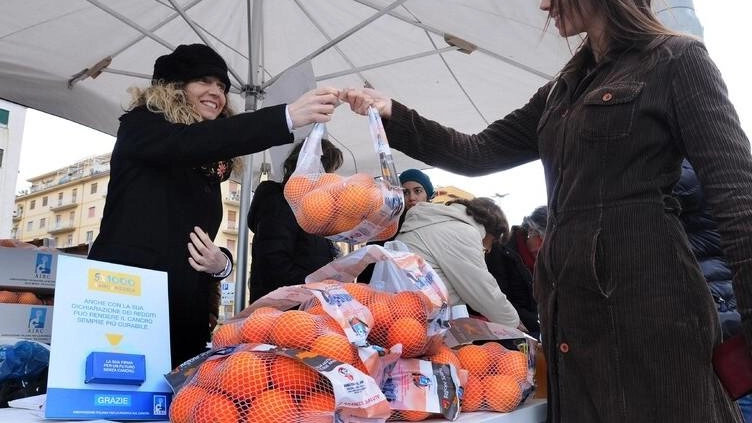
(495, 377)
(400, 318)
(21, 297)
(328, 204)
(256, 387)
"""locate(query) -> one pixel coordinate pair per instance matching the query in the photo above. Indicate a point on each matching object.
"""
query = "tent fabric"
(44, 44)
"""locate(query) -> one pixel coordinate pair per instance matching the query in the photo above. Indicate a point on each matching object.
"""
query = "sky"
(50, 143)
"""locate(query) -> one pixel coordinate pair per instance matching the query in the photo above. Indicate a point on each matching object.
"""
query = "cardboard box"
(27, 269)
(33, 322)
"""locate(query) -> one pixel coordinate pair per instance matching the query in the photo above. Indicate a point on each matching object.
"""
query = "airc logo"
(116, 283)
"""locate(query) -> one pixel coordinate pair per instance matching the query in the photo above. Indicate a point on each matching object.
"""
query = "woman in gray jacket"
(453, 238)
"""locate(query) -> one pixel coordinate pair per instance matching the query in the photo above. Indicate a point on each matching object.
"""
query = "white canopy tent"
(76, 58)
(461, 62)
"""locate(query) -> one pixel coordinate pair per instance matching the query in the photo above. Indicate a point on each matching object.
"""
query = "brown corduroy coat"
(626, 317)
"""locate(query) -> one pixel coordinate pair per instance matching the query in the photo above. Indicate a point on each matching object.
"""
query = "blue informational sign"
(110, 343)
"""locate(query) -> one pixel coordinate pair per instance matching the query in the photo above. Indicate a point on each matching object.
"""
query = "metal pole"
(251, 104)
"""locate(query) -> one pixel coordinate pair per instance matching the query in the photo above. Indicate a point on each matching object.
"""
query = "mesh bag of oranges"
(354, 209)
(499, 379)
(409, 307)
(261, 383)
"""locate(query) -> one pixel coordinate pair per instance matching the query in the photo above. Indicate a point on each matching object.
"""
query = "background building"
(12, 117)
(63, 208)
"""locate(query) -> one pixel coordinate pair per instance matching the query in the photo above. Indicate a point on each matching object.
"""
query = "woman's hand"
(316, 105)
(205, 256)
(361, 98)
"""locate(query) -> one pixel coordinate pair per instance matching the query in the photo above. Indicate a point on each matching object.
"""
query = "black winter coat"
(282, 253)
(155, 198)
(515, 281)
(705, 242)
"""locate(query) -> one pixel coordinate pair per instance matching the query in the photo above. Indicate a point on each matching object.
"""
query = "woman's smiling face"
(207, 96)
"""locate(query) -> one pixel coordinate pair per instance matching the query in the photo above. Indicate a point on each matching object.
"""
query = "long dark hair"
(331, 159)
(631, 25)
(486, 212)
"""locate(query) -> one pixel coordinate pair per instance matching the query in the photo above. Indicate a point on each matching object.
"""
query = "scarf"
(527, 258)
(216, 172)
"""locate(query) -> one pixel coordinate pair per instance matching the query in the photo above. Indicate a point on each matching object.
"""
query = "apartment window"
(231, 244)
(92, 211)
(231, 219)
(94, 188)
(58, 219)
(234, 190)
(1, 157)
(74, 194)
(42, 222)
(32, 204)
(69, 240)
(29, 226)
(89, 236)
(72, 217)
(44, 201)
(4, 118)
(59, 198)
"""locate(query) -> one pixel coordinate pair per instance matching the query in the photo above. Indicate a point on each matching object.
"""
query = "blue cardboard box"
(115, 368)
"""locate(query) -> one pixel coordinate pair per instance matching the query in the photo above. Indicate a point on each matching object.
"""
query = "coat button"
(564, 347)
(607, 97)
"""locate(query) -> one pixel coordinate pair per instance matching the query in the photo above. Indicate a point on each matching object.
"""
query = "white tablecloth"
(534, 411)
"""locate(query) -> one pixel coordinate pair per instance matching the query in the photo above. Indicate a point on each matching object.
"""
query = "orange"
(295, 329)
(445, 355)
(410, 304)
(8, 297)
(361, 292)
(383, 317)
(274, 406)
(226, 335)
(335, 346)
(181, 408)
(328, 181)
(343, 223)
(28, 298)
(296, 187)
(208, 372)
(215, 408)
(244, 374)
(412, 415)
(316, 212)
(501, 392)
(291, 375)
(362, 179)
(410, 333)
(354, 200)
(514, 363)
(475, 359)
(388, 232)
(318, 401)
(472, 395)
(257, 328)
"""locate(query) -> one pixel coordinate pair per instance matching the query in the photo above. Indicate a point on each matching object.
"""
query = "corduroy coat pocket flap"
(623, 92)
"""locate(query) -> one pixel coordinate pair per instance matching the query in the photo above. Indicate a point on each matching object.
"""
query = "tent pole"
(252, 93)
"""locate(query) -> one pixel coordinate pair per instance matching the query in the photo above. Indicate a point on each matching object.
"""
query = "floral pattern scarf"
(216, 172)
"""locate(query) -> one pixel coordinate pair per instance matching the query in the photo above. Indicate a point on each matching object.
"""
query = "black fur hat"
(190, 62)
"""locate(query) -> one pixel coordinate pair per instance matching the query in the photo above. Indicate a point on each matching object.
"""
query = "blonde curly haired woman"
(174, 147)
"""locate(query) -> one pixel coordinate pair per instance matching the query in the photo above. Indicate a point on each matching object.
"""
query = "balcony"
(233, 198)
(63, 205)
(230, 229)
(61, 228)
(17, 215)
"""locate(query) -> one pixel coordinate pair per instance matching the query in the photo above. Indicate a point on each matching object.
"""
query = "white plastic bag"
(352, 209)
